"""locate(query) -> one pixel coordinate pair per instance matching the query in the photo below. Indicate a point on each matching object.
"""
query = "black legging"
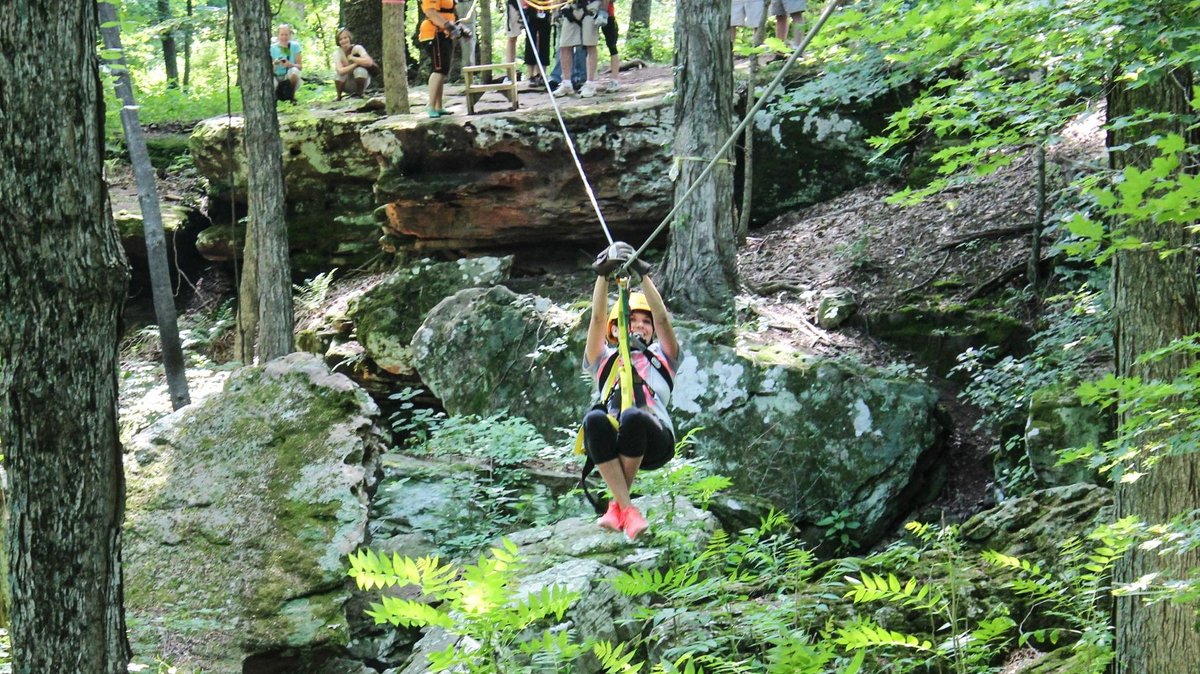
(538, 34)
(640, 435)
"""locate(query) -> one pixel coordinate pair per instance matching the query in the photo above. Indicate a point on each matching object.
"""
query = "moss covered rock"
(1037, 523)
(387, 316)
(814, 436)
(937, 335)
(1059, 420)
(240, 513)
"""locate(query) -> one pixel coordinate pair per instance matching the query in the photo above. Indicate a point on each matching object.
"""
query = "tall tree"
(152, 227)
(266, 278)
(63, 278)
(364, 18)
(1155, 301)
(639, 25)
(170, 52)
(395, 63)
(700, 271)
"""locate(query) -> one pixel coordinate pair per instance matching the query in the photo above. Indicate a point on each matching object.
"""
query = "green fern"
(874, 587)
(868, 635)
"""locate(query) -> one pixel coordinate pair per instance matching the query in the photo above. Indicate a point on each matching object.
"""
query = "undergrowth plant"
(953, 643)
(498, 629)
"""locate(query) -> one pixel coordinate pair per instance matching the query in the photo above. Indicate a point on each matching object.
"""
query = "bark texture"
(266, 234)
(1155, 302)
(395, 62)
(169, 49)
(62, 278)
(700, 270)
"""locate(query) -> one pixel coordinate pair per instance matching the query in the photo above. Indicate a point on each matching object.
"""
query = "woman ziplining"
(632, 353)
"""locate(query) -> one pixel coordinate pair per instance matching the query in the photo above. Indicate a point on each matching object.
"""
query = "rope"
(832, 5)
(587, 186)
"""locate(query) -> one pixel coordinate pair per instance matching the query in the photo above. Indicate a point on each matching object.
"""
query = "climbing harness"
(570, 12)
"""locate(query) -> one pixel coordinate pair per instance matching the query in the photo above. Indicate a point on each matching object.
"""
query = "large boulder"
(241, 510)
(815, 436)
(386, 316)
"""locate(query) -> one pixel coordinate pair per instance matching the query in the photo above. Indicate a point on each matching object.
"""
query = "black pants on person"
(640, 435)
(538, 36)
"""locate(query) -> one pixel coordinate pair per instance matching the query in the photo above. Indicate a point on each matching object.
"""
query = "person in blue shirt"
(285, 57)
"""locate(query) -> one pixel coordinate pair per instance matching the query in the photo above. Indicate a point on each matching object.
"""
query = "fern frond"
(616, 658)
(653, 581)
(553, 600)
(408, 613)
(874, 587)
(870, 635)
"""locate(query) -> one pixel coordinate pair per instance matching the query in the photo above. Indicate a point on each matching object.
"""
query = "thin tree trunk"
(395, 65)
(700, 271)
(743, 224)
(1039, 222)
(156, 246)
(187, 47)
(485, 31)
(1155, 302)
(364, 18)
(63, 278)
(267, 229)
(639, 26)
(170, 54)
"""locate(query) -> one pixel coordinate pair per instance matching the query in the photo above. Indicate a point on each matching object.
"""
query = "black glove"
(612, 257)
(457, 30)
(640, 266)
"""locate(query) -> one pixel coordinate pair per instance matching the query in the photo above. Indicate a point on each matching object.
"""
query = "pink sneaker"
(614, 519)
(633, 523)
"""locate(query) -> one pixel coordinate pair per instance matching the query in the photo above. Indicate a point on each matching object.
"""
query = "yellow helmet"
(637, 302)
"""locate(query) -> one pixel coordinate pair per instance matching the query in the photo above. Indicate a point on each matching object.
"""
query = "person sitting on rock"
(350, 64)
(620, 442)
(577, 26)
(285, 57)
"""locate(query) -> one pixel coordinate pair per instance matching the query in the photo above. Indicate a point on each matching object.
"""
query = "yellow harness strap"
(625, 374)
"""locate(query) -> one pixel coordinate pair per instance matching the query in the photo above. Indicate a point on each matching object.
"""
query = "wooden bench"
(475, 90)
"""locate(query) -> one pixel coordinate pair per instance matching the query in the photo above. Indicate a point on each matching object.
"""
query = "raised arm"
(662, 320)
(597, 336)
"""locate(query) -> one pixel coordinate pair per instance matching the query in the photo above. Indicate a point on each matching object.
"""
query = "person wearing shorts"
(285, 58)
(434, 36)
(350, 63)
(744, 14)
(607, 18)
(782, 10)
(577, 26)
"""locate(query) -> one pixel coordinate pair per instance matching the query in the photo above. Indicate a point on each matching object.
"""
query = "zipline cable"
(587, 186)
(816, 28)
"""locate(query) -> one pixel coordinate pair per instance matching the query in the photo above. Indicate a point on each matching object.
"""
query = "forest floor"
(967, 242)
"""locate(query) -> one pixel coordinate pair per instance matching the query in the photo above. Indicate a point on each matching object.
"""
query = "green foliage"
(840, 526)
(496, 498)
(312, 293)
(963, 649)
(1072, 343)
(479, 603)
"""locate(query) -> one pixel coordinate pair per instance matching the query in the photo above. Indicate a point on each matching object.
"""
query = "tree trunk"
(63, 278)
(266, 233)
(639, 26)
(156, 246)
(743, 221)
(395, 65)
(364, 18)
(700, 271)
(484, 16)
(187, 47)
(170, 56)
(1155, 302)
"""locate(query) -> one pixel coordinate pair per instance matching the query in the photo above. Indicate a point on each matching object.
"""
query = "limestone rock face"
(813, 436)
(488, 350)
(241, 511)
(387, 315)
(1037, 523)
(1059, 420)
(507, 178)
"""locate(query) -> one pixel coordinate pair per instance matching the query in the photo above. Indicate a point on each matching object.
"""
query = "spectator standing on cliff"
(537, 44)
(782, 10)
(606, 18)
(350, 66)
(285, 59)
(436, 35)
(577, 26)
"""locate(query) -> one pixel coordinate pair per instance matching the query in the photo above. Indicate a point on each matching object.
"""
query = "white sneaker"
(506, 81)
(565, 88)
(588, 89)
(613, 85)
